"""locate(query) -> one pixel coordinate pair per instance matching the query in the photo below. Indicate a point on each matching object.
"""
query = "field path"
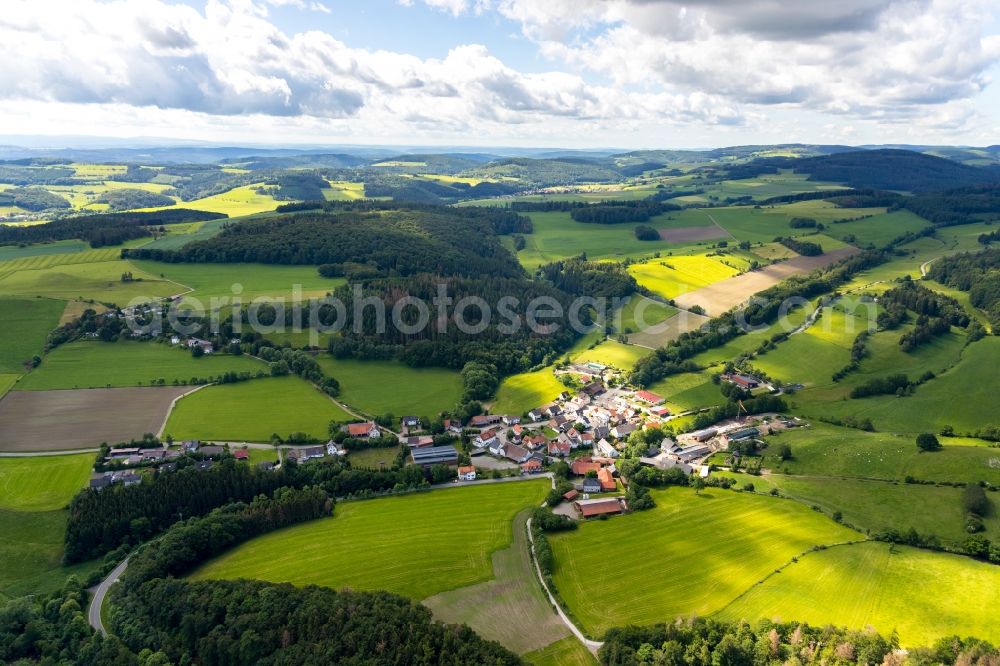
(591, 645)
(716, 223)
(173, 403)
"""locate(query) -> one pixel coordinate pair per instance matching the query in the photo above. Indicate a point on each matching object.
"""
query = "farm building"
(312, 452)
(608, 484)
(689, 453)
(435, 455)
(212, 451)
(649, 397)
(467, 473)
(704, 435)
(484, 420)
(663, 462)
(570, 495)
(581, 466)
(745, 381)
(591, 485)
(745, 433)
(600, 507)
(594, 389)
(606, 449)
(516, 453)
(366, 429)
(421, 441)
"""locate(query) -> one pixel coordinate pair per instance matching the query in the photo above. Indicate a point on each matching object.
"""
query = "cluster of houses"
(162, 459)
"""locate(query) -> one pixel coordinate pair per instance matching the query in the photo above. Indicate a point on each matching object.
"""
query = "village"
(589, 429)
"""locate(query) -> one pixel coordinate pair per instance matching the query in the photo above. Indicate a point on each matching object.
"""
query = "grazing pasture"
(11, 252)
(99, 281)
(24, 326)
(519, 393)
(31, 549)
(557, 236)
(44, 483)
(878, 230)
(689, 390)
(252, 411)
(243, 281)
(891, 588)
(93, 364)
(826, 450)
(390, 387)
(66, 420)
(179, 235)
(946, 400)
(448, 542)
(690, 555)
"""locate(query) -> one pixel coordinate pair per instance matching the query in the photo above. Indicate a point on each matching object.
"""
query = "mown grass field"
(878, 230)
(93, 364)
(761, 187)
(520, 393)
(826, 450)
(613, 353)
(11, 252)
(44, 483)
(98, 280)
(954, 398)
(254, 410)
(448, 540)
(243, 281)
(557, 236)
(641, 313)
(689, 390)
(881, 505)
(7, 382)
(514, 593)
(691, 555)
(763, 225)
(179, 235)
(921, 595)
(567, 652)
(670, 277)
(390, 387)
(24, 326)
(234, 203)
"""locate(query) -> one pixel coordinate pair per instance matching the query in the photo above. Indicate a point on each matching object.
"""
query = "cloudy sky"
(571, 73)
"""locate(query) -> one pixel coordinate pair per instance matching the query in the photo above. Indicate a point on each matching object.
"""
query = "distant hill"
(890, 169)
(562, 171)
(319, 161)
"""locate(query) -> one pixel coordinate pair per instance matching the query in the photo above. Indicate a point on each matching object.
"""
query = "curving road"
(99, 593)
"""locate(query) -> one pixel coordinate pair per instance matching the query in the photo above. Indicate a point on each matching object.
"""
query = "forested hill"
(402, 241)
(887, 169)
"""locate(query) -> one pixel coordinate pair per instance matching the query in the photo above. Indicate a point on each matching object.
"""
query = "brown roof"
(581, 466)
(241, 454)
(570, 495)
(532, 463)
(599, 507)
(355, 429)
(607, 481)
(465, 469)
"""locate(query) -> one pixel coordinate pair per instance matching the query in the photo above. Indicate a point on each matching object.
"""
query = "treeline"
(102, 229)
(284, 361)
(130, 199)
(978, 274)
(859, 350)
(22, 174)
(394, 241)
(898, 384)
(620, 212)
(805, 248)
(590, 278)
(33, 199)
(765, 309)
(705, 642)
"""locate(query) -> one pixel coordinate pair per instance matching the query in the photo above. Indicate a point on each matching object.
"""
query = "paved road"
(99, 593)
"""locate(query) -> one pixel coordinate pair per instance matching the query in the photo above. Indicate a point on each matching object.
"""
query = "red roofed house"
(745, 382)
(649, 397)
(581, 466)
(531, 466)
(366, 429)
(467, 473)
(557, 448)
(241, 454)
(607, 481)
(571, 495)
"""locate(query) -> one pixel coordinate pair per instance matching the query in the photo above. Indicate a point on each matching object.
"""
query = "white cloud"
(702, 71)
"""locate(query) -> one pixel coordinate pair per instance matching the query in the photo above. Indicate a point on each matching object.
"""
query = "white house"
(606, 449)
(467, 473)
(487, 439)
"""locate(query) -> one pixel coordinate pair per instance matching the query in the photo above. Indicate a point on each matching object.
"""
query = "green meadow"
(826, 450)
(947, 400)
(557, 236)
(42, 483)
(449, 537)
(236, 202)
(391, 387)
(689, 390)
(641, 313)
(94, 364)
(99, 281)
(254, 410)
(921, 595)
(690, 555)
(614, 354)
(24, 326)
(566, 652)
(245, 281)
(7, 382)
(519, 393)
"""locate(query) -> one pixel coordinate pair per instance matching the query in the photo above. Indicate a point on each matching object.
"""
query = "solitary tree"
(698, 484)
(928, 441)
(785, 452)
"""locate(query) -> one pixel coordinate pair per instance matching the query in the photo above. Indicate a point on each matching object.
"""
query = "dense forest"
(101, 229)
(33, 199)
(130, 199)
(703, 642)
(803, 247)
(392, 239)
(978, 274)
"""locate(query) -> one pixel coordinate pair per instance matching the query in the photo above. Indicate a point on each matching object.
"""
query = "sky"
(627, 74)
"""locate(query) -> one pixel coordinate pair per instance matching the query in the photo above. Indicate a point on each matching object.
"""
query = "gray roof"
(432, 455)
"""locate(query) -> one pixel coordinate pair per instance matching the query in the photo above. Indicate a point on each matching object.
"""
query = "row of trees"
(101, 229)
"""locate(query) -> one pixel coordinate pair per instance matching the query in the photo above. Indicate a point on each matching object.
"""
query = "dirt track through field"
(727, 294)
(57, 420)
